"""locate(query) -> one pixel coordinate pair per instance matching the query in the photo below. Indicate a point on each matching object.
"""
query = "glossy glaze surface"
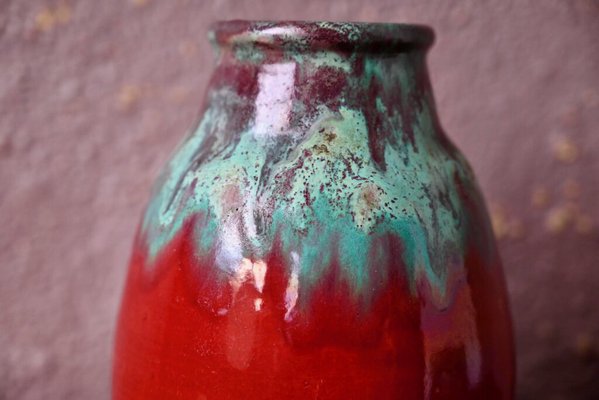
(316, 236)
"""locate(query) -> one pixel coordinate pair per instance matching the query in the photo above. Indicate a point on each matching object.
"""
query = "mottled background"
(94, 95)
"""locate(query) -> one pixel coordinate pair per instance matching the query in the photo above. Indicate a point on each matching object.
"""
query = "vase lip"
(323, 35)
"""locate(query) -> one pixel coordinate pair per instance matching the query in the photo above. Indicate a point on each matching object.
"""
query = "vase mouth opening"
(304, 36)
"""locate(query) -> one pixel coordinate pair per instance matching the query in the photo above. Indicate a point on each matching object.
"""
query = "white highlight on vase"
(240, 275)
(229, 253)
(259, 273)
(274, 100)
(258, 304)
(291, 293)
(246, 269)
(291, 31)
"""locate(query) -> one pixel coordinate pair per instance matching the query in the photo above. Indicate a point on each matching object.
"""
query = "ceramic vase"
(316, 235)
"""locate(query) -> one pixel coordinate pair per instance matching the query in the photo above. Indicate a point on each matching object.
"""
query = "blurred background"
(95, 95)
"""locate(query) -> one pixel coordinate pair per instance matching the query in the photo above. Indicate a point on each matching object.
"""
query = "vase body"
(316, 235)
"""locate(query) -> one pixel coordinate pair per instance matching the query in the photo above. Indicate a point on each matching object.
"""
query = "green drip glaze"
(327, 196)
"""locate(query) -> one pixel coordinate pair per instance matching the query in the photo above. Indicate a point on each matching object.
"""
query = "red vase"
(316, 236)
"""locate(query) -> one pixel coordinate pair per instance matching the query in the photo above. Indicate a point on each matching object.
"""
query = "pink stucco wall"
(94, 95)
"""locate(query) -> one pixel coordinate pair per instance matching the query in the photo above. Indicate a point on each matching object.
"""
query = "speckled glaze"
(316, 235)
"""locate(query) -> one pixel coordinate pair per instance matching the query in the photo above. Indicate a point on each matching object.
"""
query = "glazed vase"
(316, 235)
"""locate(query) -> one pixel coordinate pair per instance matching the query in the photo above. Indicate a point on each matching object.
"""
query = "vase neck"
(276, 83)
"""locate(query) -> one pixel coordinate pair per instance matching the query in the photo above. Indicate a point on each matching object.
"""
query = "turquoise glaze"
(307, 173)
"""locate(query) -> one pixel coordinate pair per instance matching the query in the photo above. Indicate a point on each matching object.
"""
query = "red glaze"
(173, 344)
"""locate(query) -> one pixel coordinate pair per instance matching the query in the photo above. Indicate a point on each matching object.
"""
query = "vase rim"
(322, 35)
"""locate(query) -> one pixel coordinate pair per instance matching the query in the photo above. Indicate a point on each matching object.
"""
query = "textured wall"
(94, 95)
